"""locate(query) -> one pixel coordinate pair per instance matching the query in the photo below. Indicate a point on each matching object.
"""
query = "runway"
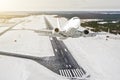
(69, 67)
(62, 63)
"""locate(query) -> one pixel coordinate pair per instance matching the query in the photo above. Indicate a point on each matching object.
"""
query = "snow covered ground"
(98, 56)
(28, 43)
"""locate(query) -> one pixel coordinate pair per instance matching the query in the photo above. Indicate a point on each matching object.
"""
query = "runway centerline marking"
(65, 50)
(56, 50)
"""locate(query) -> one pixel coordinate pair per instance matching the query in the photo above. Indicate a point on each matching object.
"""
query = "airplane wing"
(90, 35)
(48, 24)
(93, 34)
(44, 32)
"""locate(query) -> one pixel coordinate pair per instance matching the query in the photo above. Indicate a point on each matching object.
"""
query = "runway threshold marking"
(71, 72)
(70, 67)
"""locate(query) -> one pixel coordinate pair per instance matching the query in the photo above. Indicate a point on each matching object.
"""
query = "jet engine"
(56, 30)
(86, 32)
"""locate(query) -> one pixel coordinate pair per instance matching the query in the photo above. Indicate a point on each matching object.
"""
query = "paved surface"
(68, 66)
(62, 63)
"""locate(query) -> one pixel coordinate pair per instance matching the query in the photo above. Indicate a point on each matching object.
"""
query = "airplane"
(72, 29)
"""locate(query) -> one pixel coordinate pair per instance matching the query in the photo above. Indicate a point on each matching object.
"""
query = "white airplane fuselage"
(71, 28)
(73, 23)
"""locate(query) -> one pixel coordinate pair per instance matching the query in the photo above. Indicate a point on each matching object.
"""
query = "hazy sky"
(10, 5)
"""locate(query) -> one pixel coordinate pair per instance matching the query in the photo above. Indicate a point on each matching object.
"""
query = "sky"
(43, 5)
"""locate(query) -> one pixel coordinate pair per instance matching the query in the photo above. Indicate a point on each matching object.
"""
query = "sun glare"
(5, 5)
